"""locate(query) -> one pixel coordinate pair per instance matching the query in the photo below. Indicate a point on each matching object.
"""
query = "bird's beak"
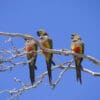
(74, 40)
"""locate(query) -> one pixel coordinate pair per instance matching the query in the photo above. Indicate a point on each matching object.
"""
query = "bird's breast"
(46, 45)
(77, 49)
(29, 48)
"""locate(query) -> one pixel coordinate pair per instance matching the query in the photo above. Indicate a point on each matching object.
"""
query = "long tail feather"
(49, 71)
(78, 73)
(32, 73)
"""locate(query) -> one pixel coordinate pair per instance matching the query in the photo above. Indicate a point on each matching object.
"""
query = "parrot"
(77, 46)
(47, 42)
(31, 48)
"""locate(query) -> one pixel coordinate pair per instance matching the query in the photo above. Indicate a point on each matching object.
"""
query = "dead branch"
(39, 80)
(18, 53)
(61, 52)
(15, 35)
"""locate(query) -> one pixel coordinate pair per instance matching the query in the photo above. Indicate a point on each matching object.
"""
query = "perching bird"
(46, 41)
(31, 48)
(78, 47)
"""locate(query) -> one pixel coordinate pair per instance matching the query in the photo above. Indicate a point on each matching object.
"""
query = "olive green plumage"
(46, 41)
(31, 48)
(78, 47)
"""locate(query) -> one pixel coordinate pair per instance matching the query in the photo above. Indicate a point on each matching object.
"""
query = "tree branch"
(61, 52)
(16, 35)
(39, 79)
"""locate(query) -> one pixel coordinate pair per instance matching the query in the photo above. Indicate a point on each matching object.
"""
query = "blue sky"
(59, 18)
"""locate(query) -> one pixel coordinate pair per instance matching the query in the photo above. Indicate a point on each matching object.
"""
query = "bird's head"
(42, 32)
(75, 36)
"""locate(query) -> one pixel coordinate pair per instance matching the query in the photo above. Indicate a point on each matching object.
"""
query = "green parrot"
(31, 48)
(78, 47)
(46, 41)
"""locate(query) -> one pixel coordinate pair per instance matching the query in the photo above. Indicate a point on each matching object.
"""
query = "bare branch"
(16, 92)
(61, 52)
(16, 35)
(68, 52)
(15, 53)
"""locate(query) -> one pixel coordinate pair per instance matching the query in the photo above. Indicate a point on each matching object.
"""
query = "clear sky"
(59, 18)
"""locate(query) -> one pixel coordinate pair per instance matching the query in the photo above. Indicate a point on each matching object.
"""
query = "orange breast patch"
(77, 49)
(28, 49)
